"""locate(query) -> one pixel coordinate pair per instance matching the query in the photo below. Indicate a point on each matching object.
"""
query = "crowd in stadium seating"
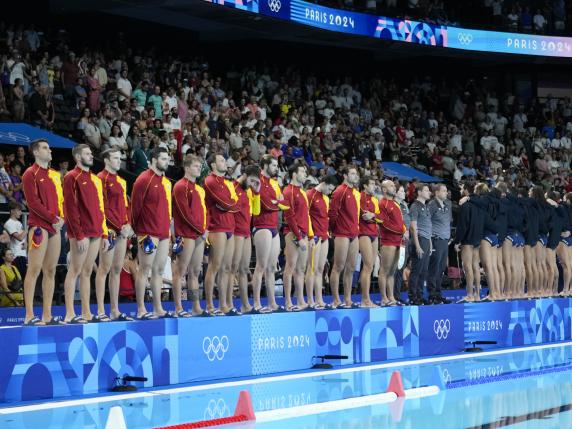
(133, 102)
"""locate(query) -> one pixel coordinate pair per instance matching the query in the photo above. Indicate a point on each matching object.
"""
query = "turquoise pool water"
(520, 389)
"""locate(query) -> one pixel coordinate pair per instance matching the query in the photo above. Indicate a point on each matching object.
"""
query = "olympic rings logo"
(216, 409)
(442, 328)
(274, 5)
(446, 376)
(215, 347)
(465, 38)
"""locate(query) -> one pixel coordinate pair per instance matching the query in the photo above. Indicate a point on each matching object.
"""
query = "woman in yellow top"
(10, 277)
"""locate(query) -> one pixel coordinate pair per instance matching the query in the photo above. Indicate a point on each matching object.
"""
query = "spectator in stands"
(92, 133)
(69, 74)
(6, 187)
(80, 92)
(156, 101)
(13, 226)
(124, 87)
(22, 157)
(559, 14)
(39, 113)
(513, 19)
(128, 275)
(104, 124)
(94, 88)
(83, 119)
(539, 22)
(16, 178)
(526, 20)
(18, 104)
(10, 282)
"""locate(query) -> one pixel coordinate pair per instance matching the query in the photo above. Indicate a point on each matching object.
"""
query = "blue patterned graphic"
(405, 30)
(63, 361)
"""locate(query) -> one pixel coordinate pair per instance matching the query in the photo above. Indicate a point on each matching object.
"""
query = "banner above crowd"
(405, 30)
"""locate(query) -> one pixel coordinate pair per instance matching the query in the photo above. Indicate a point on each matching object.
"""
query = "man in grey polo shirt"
(440, 211)
(421, 244)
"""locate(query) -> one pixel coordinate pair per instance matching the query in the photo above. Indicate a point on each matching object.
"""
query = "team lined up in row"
(516, 235)
(100, 219)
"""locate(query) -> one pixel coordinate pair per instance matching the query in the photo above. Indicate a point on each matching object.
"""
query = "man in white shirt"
(539, 22)
(15, 229)
(235, 139)
(556, 142)
(124, 87)
(171, 98)
(6, 187)
(519, 121)
(489, 142)
(234, 164)
(433, 123)
(500, 125)
(566, 142)
(92, 133)
(456, 140)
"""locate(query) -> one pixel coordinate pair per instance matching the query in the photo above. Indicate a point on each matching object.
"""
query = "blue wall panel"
(63, 361)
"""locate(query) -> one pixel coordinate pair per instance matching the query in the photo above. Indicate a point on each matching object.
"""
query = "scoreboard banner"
(404, 30)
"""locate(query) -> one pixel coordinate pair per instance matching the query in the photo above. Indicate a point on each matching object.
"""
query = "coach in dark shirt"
(440, 211)
(421, 244)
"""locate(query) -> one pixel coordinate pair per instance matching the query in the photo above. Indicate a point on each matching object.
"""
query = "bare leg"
(467, 261)
(218, 242)
(103, 269)
(477, 272)
(114, 276)
(319, 270)
(353, 251)
(521, 270)
(541, 269)
(341, 250)
(270, 272)
(244, 251)
(181, 268)
(390, 282)
(389, 260)
(313, 249)
(368, 253)
(262, 243)
(49, 274)
(74, 269)
(36, 257)
(487, 258)
(299, 270)
(568, 258)
(531, 270)
(145, 264)
(194, 271)
(157, 269)
(291, 254)
(85, 277)
(225, 302)
(500, 262)
(552, 286)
